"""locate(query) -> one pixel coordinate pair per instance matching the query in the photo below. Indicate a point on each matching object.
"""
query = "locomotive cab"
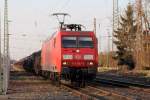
(79, 53)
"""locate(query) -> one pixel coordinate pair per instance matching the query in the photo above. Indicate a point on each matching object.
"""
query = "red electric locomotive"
(70, 54)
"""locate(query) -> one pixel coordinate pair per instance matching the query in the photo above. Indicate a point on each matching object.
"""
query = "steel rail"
(78, 92)
(137, 87)
(95, 93)
(113, 94)
(121, 82)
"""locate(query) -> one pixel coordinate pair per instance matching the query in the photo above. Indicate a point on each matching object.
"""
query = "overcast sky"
(31, 22)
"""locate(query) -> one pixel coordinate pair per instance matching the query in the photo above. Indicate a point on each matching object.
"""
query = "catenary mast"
(6, 60)
(115, 19)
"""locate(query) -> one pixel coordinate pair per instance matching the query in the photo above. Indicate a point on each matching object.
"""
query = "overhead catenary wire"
(65, 5)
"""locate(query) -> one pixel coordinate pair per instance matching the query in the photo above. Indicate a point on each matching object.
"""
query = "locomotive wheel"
(57, 79)
(91, 77)
(82, 79)
(47, 74)
(42, 73)
(92, 74)
(75, 78)
(79, 78)
(36, 71)
(52, 76)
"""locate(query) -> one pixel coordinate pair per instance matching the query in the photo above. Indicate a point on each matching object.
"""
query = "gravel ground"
(26, 86)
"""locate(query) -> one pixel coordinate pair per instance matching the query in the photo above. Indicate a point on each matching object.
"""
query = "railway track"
(131, 91)
(107, 92)
(78, 92)
(121, 83)
(134, 86)
(92, 92)
(87, 93)
(98, 90)
(111, 89)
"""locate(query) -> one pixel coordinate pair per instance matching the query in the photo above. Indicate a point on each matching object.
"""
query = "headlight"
(64, 63)
(88, 57)
(67, 57)
(91, 63)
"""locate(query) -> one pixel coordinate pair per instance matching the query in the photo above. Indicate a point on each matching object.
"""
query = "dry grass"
(105, 69)
(17, 68)
(145, 73)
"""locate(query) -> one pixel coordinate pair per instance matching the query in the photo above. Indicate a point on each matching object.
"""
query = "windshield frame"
(77, 41)
(85, 39)
(70, 40)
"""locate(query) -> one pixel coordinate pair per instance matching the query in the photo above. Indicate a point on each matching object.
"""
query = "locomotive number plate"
(78, 57)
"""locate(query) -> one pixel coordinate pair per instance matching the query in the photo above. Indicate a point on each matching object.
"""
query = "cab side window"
(54, 43)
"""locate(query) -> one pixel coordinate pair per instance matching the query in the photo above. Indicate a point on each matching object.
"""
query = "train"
(30, 63)
(70, 54)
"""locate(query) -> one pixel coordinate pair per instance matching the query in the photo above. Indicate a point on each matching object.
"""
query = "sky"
(31, 21)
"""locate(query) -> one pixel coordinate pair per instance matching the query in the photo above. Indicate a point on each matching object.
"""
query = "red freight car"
(70, 54)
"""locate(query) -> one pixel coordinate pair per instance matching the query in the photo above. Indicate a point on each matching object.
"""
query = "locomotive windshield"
(69, 42)
(85, 42)
(77, 42)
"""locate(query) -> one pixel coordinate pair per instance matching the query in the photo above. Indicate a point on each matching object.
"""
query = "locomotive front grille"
(78, 57)
(78, 63)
